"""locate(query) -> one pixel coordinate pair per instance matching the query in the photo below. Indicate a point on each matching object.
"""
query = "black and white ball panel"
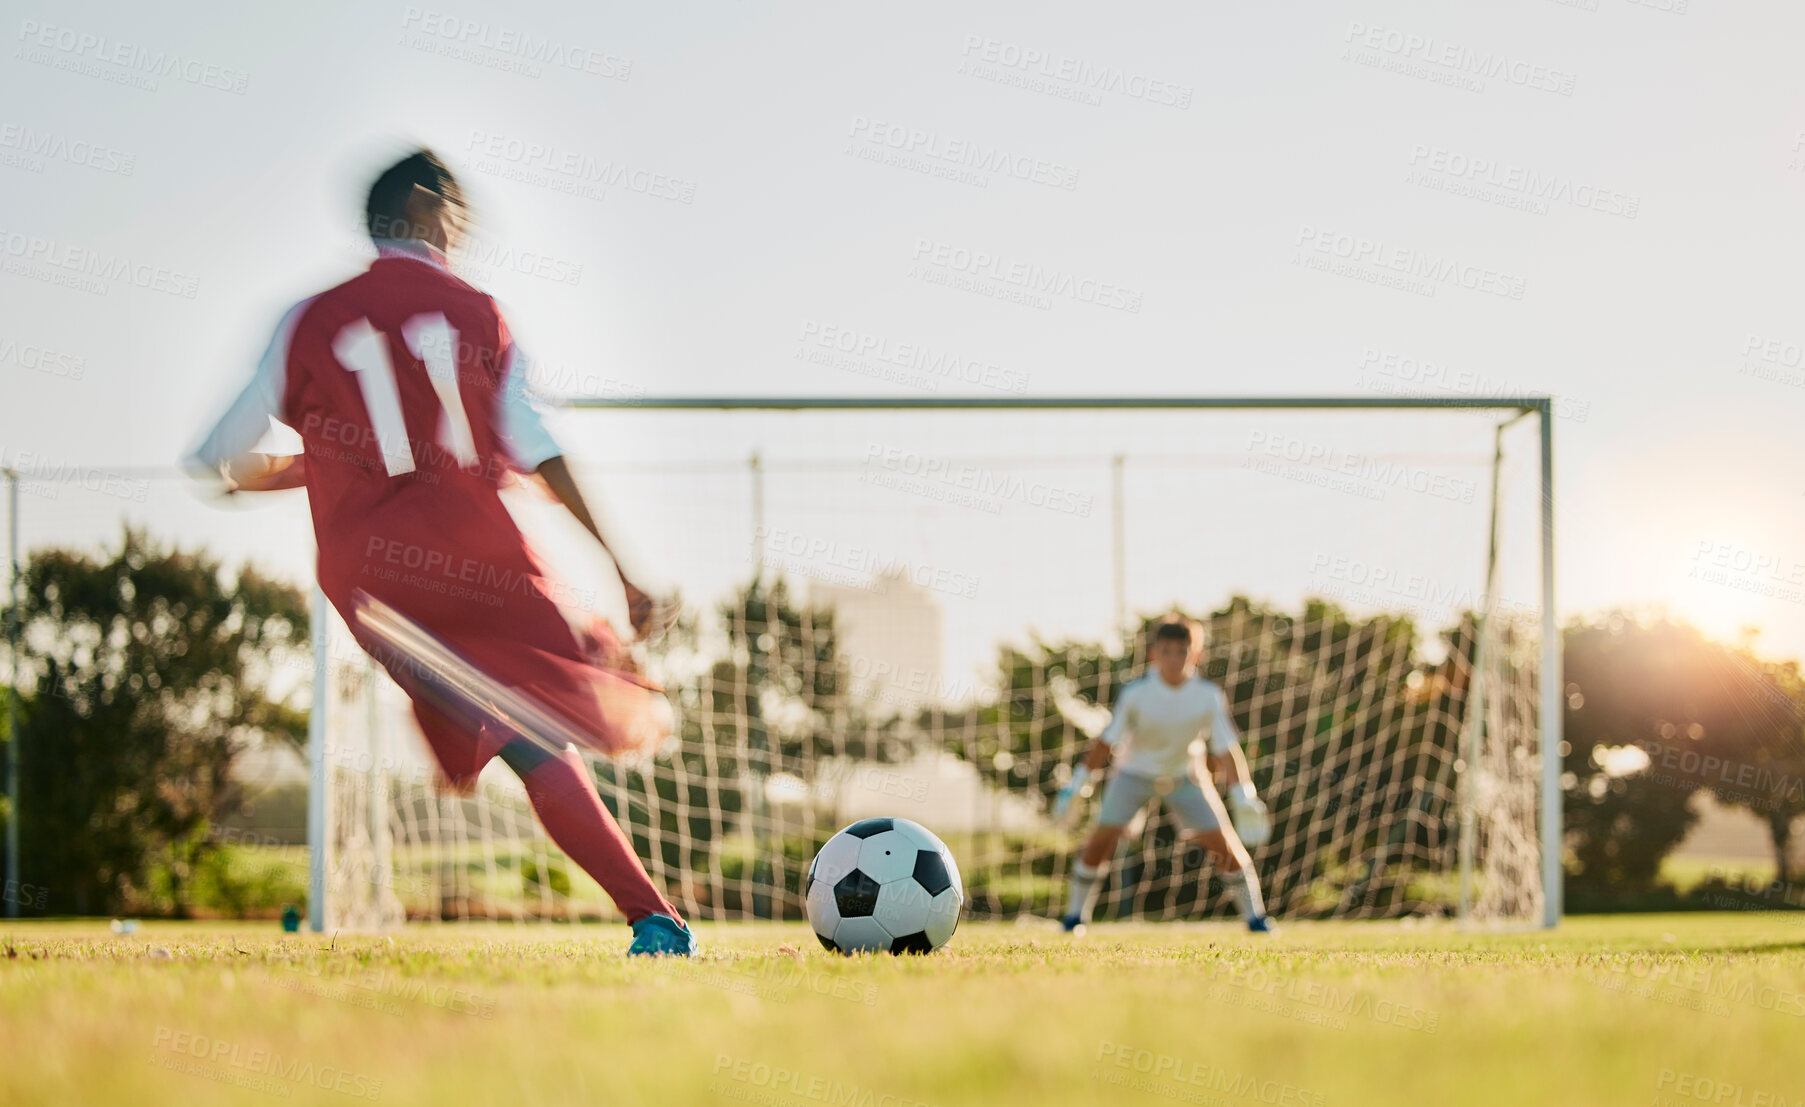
(837, 858)
(884, 883)
(865, 828)
(823, 912)
(855, 895)
(860, 935)
(888, 856)
(931, 872)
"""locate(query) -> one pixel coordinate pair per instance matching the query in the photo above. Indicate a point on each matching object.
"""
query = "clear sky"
(1594, 200)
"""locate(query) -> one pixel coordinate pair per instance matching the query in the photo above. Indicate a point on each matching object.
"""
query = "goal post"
(1410, 782)
(1554, 697)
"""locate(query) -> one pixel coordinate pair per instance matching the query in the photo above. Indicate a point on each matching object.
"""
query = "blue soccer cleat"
(1073, 924)
(1262, 924)
(661, 936)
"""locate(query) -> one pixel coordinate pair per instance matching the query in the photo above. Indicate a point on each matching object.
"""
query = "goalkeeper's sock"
(1085, 880)
(1244, 888)
(577, 821)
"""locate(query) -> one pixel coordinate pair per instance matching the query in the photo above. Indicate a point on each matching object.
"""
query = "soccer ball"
(884, 884)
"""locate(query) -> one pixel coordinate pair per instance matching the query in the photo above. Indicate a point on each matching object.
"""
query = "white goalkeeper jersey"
(1158, 730)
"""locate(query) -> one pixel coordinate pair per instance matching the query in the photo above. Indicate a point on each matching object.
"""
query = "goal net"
(928, 612)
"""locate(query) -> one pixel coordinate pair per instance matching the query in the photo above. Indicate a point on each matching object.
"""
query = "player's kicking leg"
(575, 817)
(464, 725)
(1199, 809)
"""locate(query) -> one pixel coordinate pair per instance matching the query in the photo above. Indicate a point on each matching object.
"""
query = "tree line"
(146, 672)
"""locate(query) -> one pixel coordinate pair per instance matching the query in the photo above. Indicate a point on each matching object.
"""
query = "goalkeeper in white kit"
(1161, 724)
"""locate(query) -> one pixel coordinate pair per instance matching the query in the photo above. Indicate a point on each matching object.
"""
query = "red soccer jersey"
(410, 398)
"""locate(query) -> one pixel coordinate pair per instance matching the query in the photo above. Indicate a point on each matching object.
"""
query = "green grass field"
(1606, 1010)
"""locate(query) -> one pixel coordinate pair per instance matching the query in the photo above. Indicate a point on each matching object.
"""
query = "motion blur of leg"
(577, 820)
(462, 714)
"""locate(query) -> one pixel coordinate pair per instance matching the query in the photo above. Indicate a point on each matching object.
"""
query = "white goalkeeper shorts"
(1196, 806)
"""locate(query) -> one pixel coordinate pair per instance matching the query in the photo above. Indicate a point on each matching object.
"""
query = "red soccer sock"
(577, 821)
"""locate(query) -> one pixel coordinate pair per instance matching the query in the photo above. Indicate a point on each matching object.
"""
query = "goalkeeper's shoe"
(661, 936)
(1262, 924)
(1073, 924)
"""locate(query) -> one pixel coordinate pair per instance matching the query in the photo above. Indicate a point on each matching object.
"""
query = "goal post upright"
(1554, 693)
(1476, 690)
(14, 747)
(1552, 696)
(318, 776)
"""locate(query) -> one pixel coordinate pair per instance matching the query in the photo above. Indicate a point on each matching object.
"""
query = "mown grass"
(1631, 1010)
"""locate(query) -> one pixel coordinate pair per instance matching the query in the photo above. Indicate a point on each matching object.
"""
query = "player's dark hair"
(385, 212)
(1176, 628)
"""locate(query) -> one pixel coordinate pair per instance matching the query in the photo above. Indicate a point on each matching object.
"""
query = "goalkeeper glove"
(1253, 823)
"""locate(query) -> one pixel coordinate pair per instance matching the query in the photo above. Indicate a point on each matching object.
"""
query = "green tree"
(1753, 745)
(1706, 715)
(151, 672)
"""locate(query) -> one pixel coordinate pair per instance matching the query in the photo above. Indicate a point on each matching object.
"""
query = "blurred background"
(1369, 199)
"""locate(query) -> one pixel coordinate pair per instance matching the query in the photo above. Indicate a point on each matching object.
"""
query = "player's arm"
(225, 456)
(1103, 746)
(531, 446)
(1223, 754)
(555, 472)
(1229, 765)
(253, 472)
(1253, 823)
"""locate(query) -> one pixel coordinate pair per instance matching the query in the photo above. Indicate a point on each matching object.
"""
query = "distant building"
(891, 639)
(935, 789)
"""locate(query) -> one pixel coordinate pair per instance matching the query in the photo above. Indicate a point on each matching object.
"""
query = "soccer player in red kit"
(410, 398)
